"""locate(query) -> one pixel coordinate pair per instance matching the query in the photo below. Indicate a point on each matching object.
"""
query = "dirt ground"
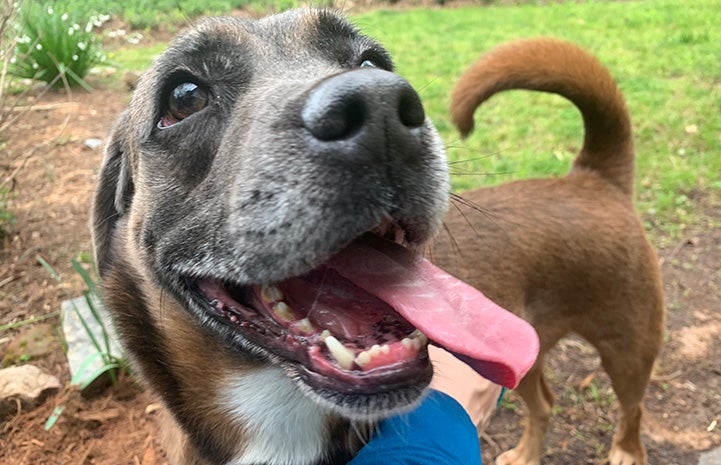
(53, 181)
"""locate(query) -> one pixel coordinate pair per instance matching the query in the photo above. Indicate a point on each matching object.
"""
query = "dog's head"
(259, 169)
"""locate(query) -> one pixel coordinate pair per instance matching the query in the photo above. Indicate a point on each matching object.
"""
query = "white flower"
(76, 27)
(13, 60)
(50, 10)
(75, 58)
(64, 17)
(36, 66)
(38, 46)
(71, 31)
(82, 46)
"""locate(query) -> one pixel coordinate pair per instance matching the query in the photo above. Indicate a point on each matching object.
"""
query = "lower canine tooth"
(340, 353)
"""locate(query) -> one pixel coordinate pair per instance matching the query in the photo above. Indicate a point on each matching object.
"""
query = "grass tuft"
(55, 47)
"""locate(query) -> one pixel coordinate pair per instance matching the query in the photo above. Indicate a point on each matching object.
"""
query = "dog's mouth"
(360, 323)
(344, 337)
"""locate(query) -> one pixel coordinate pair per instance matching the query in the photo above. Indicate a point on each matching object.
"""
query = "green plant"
(6, 216)
(111, 364)
(58, 48)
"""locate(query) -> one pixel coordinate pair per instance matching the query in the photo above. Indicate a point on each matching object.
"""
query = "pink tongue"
(497, 344)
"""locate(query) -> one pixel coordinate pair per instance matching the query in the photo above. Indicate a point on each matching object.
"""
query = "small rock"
(93, 143)
(27, 384)
(710, 457)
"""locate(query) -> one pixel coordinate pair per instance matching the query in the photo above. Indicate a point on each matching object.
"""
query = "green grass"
(143, 14)
(666, 56)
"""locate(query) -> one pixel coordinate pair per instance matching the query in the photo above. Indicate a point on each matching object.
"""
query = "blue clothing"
(438, 432)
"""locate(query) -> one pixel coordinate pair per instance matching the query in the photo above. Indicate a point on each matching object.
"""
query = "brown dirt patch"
(51, 195)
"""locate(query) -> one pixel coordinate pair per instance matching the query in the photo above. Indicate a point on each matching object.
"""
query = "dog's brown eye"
(183, 101)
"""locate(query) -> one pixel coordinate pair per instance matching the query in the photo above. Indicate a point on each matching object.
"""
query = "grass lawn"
(665, 54)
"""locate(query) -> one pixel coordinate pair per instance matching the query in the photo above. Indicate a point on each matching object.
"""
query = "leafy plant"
(6, 216)
(111, 364)
(58, 48)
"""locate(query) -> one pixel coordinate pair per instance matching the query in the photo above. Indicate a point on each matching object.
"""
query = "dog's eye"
(183, 101)
(367, 64)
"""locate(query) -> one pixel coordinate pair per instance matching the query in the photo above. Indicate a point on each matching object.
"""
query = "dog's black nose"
(345, 104)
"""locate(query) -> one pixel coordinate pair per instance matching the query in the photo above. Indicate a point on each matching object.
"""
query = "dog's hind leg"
(539, 401)
(629, 369)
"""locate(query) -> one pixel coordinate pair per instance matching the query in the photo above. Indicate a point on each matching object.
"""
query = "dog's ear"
(113, 194)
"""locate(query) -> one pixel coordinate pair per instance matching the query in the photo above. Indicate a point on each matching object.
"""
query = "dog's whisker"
(426, 86)
(458, 199)
(318, 293)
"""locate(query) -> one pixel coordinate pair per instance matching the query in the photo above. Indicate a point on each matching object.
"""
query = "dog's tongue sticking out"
(497, 344)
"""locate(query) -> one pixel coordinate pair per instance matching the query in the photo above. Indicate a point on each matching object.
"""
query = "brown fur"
(568, 254)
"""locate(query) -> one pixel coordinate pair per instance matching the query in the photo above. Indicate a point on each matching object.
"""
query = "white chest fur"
(284, 427)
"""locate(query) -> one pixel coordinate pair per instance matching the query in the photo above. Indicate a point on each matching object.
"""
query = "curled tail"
(552, 65)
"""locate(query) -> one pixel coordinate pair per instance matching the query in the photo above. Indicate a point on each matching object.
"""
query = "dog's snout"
(346, 104)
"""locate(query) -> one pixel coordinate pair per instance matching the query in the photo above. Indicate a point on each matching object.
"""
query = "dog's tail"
(552, 65)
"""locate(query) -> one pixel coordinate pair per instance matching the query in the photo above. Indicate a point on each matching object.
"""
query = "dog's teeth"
(284, 311)
(325, 334)
(419, 336)
(305, 326)
(412, 343)
(340, 353)
(363, 358)
(270, 293)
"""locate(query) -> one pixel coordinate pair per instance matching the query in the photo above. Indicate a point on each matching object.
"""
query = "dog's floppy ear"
(113, 193)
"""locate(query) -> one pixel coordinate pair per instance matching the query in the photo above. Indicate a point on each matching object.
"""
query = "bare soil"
(51, 190)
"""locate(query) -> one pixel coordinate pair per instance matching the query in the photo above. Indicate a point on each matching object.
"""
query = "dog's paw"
(518, 456)
(618, 456)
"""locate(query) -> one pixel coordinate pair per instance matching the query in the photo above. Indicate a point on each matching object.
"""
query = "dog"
(258, 223)
(569, 255)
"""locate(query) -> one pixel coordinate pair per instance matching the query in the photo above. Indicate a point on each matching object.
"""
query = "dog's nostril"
(410, 109)
(336, 119)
